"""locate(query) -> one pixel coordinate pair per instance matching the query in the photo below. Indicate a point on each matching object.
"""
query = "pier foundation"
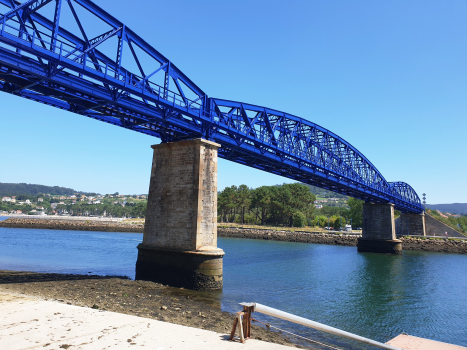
(180, 236)
(378, 230)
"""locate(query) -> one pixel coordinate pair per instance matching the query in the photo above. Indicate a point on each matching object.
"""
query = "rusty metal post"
(238, 322)
(247, 310)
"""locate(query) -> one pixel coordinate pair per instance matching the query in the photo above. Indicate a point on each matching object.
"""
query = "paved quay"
(409, 342)
(28, 323)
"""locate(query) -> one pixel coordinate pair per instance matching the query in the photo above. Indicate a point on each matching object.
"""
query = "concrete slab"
(27, 323)
(409, 342)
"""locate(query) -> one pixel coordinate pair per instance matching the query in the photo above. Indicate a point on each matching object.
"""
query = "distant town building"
(6, 199)
(40, 199)
(442, 215)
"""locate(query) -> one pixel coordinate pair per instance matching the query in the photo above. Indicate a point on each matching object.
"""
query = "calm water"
(373, 295)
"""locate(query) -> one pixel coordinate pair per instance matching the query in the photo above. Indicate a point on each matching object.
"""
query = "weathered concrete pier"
(413, 224)
(180, 237)
(378, 230)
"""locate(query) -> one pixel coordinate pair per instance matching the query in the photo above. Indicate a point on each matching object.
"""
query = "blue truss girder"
(58, 68)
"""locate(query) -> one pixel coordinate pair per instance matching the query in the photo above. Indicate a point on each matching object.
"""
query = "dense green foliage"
(284, 205)
(14, 189)
(338, 217)
(274, 205)
(320, 192)
(118, 211)
(299, 220)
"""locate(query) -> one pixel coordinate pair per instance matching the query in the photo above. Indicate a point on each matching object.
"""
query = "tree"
(299, 219)
(260, 201)
(320, 221)
(355, 211)
(243, 199)
(226, 203)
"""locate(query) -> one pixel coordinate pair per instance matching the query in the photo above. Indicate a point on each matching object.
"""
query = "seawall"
(71, 225)
(420, 244)
(287, 236)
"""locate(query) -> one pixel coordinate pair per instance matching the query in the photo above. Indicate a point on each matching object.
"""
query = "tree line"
(114, 210)
(283, 205)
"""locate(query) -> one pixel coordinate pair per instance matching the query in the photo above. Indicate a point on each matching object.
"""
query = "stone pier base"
(201, 270)
(379, 246)
(180, 235)
(378, 230)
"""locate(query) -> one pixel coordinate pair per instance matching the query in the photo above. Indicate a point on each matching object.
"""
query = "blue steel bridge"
(48, 55)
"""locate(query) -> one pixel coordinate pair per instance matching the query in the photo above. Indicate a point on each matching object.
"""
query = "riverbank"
(55, 224)
(138, 298)
(432, 244)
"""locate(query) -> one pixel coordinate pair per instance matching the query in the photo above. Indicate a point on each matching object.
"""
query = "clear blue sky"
(390, 77)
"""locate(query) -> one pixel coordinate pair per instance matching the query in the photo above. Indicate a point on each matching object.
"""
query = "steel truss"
(43, 61)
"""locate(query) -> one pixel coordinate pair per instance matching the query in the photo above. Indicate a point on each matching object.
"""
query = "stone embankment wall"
(433, 227)
(287, 236)
(438, 228)
(439, 245)
(429, 245)
(71, 225)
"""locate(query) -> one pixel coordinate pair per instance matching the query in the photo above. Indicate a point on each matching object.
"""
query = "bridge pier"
(412, 224)
(378, 230)
(180, 235)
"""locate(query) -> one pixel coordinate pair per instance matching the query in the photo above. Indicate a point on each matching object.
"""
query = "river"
(373, 295)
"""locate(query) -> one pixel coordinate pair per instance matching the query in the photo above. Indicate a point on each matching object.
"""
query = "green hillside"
(14, 189)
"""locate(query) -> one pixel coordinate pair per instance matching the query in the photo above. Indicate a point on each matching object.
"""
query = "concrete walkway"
(27, 323)
(409, 342)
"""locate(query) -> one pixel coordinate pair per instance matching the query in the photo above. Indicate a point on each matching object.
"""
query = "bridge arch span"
(140, 89)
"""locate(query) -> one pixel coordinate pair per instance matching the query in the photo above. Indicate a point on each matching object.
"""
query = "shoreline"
(139, 298)
(433, 244)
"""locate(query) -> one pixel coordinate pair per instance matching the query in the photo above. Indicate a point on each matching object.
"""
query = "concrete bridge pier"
(412, 224)
(378, 230)
(180, 236)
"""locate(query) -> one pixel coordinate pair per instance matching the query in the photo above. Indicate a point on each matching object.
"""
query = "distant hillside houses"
(447, 215)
